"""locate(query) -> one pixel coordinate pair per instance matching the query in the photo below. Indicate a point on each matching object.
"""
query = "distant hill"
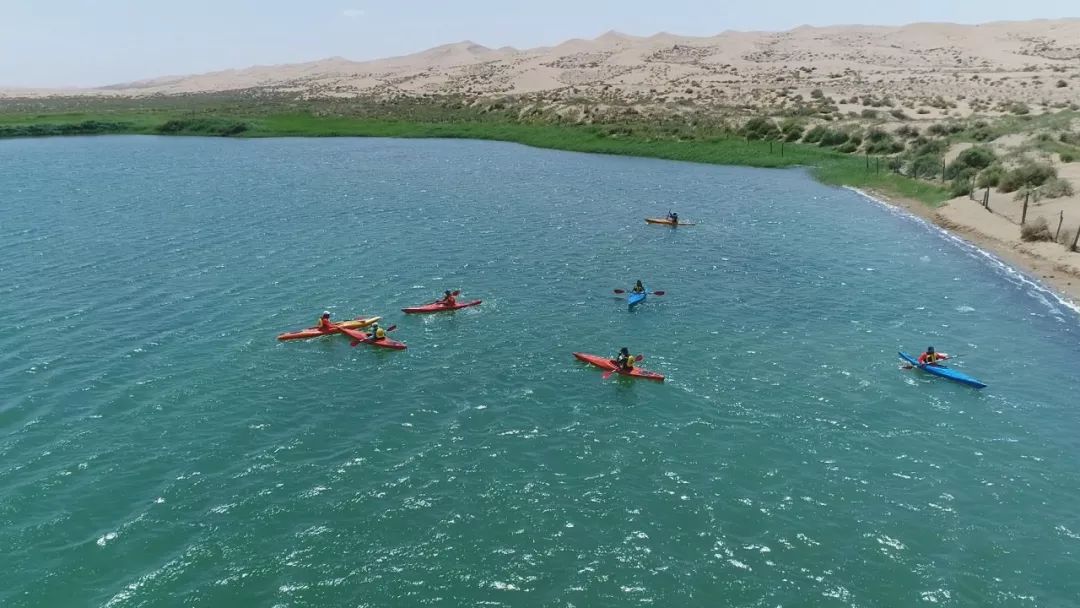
(937, 68)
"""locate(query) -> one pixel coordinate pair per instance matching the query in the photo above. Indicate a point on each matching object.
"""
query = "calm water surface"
(159, 448)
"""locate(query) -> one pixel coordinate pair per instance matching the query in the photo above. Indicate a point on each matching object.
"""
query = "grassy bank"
(672, 141)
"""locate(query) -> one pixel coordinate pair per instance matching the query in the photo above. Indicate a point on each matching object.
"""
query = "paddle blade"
(639, 358)
(607, 374)
(620, 291)
(354, 343)
(658, 293)
(391, 328)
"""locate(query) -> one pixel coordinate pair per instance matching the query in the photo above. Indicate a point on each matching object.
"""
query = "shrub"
(976, 159)
(868, 113)
(832, 138)
(1070, 138)
(990, 177)
(880, 142)
(817, 94)
(924, 147)
(1019, 108)
(1061, 84)
(1067, 157)
(86, 127)
(760, 128)
(981, 133)
(1056, 188)
(899, 114)
(1028, 174)
(813, 136)
(907, 131)
(847, 147)
(791, 130)
(926, 166)
(1036, 230)
(203, 126)
(960, 187)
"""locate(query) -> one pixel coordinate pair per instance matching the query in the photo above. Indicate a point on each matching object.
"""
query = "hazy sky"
(95, 42)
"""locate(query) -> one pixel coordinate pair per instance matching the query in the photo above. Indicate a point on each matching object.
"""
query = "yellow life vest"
(380, 333)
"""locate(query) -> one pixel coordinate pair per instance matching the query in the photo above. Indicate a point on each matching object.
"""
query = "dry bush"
(1036, 230)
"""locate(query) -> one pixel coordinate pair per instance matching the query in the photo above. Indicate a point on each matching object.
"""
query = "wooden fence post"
(943, 170)
(986, 198)
(781, 149)
(1060, 220)
(867, 161)
(770, 146)
(1023, 214)
(1075, 239)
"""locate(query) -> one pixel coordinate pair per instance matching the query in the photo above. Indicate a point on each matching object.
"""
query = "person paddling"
(930, 357)
(638, 287)
(674, 217)
(448, 299)
(625, 360)
(324, 322)
(376, 333)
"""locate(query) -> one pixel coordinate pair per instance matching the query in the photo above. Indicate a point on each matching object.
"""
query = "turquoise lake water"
(158, 447)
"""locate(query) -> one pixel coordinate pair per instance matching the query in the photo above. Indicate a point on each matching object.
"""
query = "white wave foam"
(1038, 290)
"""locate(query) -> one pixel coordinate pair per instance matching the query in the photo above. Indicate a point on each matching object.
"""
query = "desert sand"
(970, 66)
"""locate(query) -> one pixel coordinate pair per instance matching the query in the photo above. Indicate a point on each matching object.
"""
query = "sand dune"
(1032, 61)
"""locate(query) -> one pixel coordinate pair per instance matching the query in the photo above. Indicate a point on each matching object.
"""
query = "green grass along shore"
(828, 166)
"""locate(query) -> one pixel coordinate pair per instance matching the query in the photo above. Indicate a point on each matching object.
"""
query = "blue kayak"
(944, 372)
(633, 299)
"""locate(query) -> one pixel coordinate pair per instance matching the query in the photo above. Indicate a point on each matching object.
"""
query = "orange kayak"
(315, 332)
(607, 364)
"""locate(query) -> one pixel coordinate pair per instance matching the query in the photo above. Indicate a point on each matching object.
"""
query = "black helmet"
(929, 349)
(624, 350)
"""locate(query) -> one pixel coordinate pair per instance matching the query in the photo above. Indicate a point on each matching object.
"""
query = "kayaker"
(674, 217)
(376, 333)
(638, 287)
(625, 360)
(448, 299)
(324, 322)
(930, 357)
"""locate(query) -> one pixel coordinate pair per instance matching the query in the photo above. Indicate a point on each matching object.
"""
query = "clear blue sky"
(94, 42)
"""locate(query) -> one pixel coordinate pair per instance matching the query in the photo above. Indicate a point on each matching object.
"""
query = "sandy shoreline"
(1047, 263)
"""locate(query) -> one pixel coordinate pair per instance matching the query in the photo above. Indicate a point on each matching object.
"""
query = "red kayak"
(360, 337)
(437, 307)
(315, 332)
(608, 364)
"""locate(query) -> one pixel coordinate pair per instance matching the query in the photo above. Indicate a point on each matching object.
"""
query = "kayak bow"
(437, 307)
(315, 332)
(943, 372)
(608, 364)
(633, 299)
